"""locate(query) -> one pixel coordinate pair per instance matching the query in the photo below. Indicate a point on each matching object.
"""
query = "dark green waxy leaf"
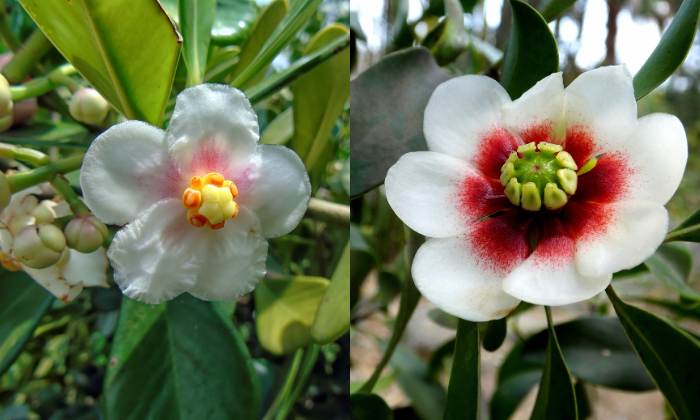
(556, 397)
(552, 9)
(333, 316)
(22, 304)
(495, 334)
(127, 50)
(688, 231)
(464, 390)
(387, 102)
(671, 263)
(671, 50)
(61, 134)
(532, 51)
(179, 360)
(369, 407)
(196, 20)
(427, 396)
(449, 38)
(667, 352)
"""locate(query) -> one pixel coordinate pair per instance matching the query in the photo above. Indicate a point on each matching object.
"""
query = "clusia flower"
(197, 200)
(540, 199)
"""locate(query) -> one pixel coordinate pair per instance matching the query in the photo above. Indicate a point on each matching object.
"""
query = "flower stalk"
(24, 61)
(26, 179)
(64, 189)
(42, 85)
(23, 154)
(326, 211)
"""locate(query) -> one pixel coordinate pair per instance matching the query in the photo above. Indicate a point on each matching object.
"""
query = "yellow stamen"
(210, 200)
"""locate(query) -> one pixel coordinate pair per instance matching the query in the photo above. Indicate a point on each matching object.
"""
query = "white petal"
(602, 100)
(213, 129)
(88, 270)
(544, 279)
(234, 260)
(460, 111)
(657, 151)
(541, 104)
(278, 191)
(425, 189)
(125, 171)
(635, 232)
(52, 279)
(155, 257)
(447, 274)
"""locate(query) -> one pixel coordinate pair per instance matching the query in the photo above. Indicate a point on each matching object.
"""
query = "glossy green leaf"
(127, 50)
(292, 23)
(319, 99)
(286, 311)
(670, 51)
(369, 407)
(333, 316)
(556, 397)
(532, 51)
(221, 63)
(464, 390)
(671, 264)
(552, 9)
(267, 22)
(387, 102)
(688, 231)
(233, 17)
(280, 130)
(196, 21)
(22, 304)
(179, 360)
(667, 352)
(61, 134)
(426, 395)
(495, 334)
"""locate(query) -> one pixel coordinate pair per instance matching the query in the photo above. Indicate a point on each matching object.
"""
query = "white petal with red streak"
(448, 274)
(423, 189)
(460, 112)
(542, 103)
(124, 171)
(602, 100)
(635, 232)
(233, 259)
(278, 191)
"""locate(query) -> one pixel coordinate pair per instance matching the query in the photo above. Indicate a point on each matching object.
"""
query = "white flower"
(198, 200)
(540, 199)
(74, 271)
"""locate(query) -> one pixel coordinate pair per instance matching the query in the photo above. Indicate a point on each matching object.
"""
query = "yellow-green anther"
(507, 172)
(554, 197)
(549, 147)
(566, 161)
(527, 148)
(588, 166)
(530, 197)
(568, 180)
(513, 157)
(512, 191)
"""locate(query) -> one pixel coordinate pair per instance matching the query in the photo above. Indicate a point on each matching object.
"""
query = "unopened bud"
(44, 212)
(39, 246)
(85, 234)
(5, 98)
(89, 107)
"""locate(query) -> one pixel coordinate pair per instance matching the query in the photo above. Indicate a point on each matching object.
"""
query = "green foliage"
(370, 406)
(463, 393)
(196, 21)
(672, 264)
(333, 315)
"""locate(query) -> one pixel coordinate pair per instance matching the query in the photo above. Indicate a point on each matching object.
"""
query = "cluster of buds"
(89, 107)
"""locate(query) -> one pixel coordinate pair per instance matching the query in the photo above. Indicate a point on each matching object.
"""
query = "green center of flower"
(541, 174)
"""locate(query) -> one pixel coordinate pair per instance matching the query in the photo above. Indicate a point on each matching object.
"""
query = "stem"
(42, 85)
(327, 211)
(63, 188)
(287, 386)
(26, 179)
(23, 154)
(307, 366)
(679, 233)
(8, 37)
(24, 61)
(277, 81)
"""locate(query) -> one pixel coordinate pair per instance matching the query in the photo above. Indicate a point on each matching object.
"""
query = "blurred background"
(589, 34)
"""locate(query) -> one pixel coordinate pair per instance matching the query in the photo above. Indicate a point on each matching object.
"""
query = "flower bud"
(44, 212)
(88, 106)
(39, 246)
(85, 234)
(5, 99)
(5, 193)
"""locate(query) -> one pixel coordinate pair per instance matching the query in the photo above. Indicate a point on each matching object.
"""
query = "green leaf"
(196, 21)
(221, 62)
(382, 131)
(369, 407)
(532, 51)
(671, 263)
(671, 50)
(495, 334)
(556, 397)
(426, 395)
(233, 18)
(44, 134)
(333, 316)
(554, 8)
(22, 304)
(181, 359)
(268, 21)
(463, 391)
(286, 311)
(667, 352)
(300, 12)
(280, 130)
(319, 98)
(127, 50)
(688, 231)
